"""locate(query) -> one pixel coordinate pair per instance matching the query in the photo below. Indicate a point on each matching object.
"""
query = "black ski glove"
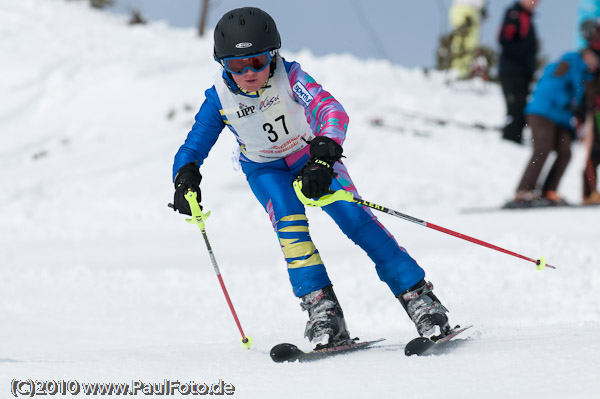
(187, 177)
(316, 175)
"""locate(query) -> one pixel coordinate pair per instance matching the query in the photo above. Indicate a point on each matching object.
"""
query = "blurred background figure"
(517, 66)
(465, 18)
(550, 113)
(591, 142)
(587, 10)
(590, 33)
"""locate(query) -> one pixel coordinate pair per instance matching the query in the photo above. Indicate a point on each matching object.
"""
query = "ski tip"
(422, 345)
(418, 346)
(284, 352)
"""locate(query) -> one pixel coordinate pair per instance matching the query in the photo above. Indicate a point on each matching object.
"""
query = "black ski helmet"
(245, 31)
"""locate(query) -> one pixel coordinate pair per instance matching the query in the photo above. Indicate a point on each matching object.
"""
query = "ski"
(290, 353)
(380, 122)
(285, 352)
(426, 346)
(512, 207)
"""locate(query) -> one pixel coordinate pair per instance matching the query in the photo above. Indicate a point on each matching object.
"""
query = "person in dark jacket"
(518, 40)
(591, 141)
(551, 114)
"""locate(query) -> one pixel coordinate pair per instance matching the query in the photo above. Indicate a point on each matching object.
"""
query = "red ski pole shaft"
(541, 262)
(235, 317)
(198, 218)
(218, 272)
(343, 195)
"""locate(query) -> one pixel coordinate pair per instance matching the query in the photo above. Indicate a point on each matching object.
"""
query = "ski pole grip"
(198, 217)
(339, 195)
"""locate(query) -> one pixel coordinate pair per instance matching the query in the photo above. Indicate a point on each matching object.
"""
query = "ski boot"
(425, 310)
(326, 326)
(592, 199)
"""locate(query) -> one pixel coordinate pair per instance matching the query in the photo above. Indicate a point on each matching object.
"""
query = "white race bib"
(269, 127)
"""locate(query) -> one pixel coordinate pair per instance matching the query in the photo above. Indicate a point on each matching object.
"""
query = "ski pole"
(198, 218)
(343, 195)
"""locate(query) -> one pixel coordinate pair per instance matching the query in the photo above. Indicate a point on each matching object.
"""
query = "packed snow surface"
(101, 282)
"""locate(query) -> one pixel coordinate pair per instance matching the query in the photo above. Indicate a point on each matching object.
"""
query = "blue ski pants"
(271, 183)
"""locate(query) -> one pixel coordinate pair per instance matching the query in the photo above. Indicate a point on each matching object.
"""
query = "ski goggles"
(240, 65)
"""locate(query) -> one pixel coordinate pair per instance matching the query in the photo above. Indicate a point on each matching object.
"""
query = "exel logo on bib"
(303, 93)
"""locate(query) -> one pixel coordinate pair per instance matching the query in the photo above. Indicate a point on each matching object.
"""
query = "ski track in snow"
(102, 282)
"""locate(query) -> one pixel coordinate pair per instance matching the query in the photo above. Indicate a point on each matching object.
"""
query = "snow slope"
(101, 282)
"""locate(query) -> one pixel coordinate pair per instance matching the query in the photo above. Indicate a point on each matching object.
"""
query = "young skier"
(288, 127)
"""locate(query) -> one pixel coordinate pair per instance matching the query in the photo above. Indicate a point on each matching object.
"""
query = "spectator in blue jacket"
(550, 114)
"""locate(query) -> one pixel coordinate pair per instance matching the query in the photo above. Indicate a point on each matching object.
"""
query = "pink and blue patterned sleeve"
(324, 113)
